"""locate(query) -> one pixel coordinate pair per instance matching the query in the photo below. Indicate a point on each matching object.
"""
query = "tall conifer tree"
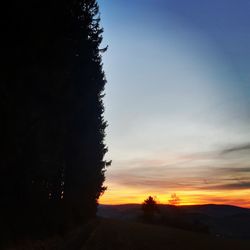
(84, 173)
(52, 127)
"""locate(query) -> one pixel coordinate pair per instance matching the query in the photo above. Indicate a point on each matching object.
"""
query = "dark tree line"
(51, 115)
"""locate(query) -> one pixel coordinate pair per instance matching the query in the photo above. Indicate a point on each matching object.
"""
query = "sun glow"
(122, 195)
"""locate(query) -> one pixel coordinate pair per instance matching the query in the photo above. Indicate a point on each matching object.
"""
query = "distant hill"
(220, 220)
(121, 212)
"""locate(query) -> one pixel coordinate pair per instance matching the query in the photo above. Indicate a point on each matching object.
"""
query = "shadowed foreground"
(119, 235)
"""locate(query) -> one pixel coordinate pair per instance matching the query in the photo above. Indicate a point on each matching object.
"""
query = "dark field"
(120, 235)
(111, 234)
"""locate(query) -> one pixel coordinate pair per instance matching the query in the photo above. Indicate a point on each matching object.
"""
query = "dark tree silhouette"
(149, 208)
(85, 149)
(51, 115)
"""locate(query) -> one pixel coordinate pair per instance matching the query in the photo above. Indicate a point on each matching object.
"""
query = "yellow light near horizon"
(128, 195)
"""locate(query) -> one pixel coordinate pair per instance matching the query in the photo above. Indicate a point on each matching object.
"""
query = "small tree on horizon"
(149, 208)
(174, 200)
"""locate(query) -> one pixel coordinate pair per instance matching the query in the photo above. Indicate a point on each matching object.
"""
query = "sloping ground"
(121, 235)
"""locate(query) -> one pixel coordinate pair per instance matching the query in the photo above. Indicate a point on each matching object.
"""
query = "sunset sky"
(177, 100)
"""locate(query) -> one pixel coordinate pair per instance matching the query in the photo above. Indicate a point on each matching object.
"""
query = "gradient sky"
(177, 100)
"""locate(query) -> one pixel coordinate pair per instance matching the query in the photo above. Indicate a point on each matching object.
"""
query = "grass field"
(120, 235)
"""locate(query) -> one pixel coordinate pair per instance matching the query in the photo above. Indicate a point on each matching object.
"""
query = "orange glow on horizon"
(116, 195)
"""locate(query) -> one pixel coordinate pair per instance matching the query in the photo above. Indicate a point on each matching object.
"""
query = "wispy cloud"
(200, 171)
(221, 176)
(237, 148)
(229, 186)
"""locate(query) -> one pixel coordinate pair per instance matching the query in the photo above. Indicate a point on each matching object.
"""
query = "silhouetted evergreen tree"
(51, 113)
(84, 173)
(149, 208)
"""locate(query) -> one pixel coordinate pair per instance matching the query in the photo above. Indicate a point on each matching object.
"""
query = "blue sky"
(177, 96)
